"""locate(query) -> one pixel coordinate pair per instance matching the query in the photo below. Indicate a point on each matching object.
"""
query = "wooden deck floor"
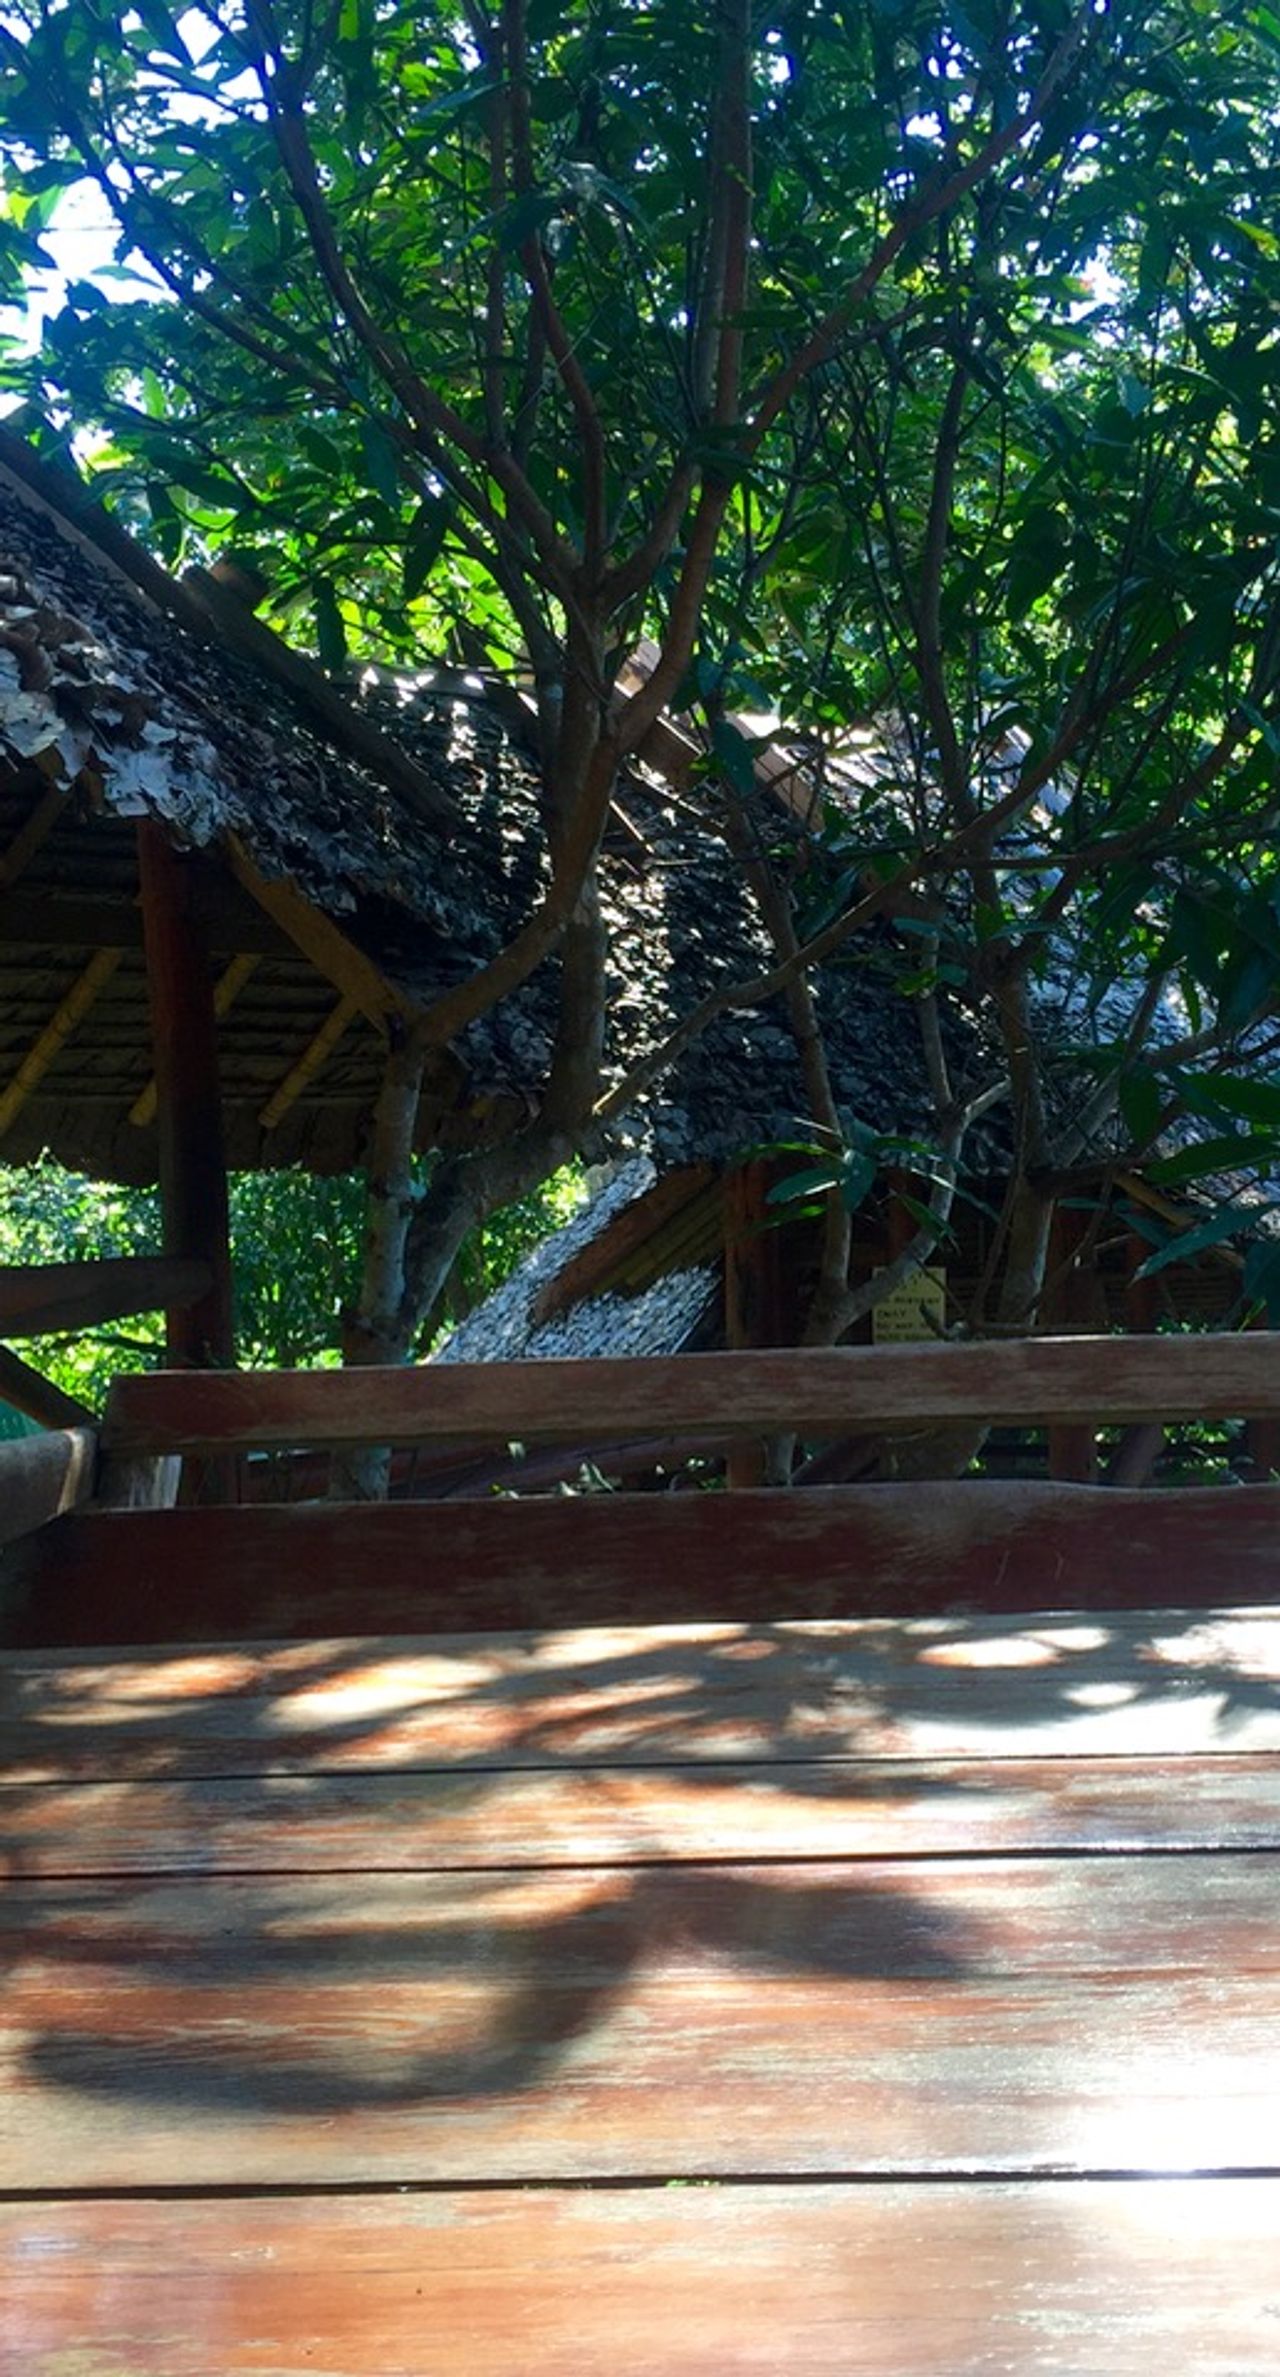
(807, 1998)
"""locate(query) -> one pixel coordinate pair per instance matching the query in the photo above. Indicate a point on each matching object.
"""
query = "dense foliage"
(899, 365)
(296, 1242)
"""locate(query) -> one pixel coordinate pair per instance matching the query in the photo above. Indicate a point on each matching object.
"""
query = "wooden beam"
(38, 1297)
(47, 918)
(31, 1392)
(41, 1477)
(226, 991)
(314, 1057)
(321, 941)
(69, 1012)
(29, 837)
(826, 1552)
(193, 1176)
(817, 1391)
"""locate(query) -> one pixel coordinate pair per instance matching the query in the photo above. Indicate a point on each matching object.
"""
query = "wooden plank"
(37, 1297)
(1100, 2015)
(430, 1822)
(816, 1389)
(267, 1571)
(1100, 2276)
(42, 1476)
(31, 1392)
(1157, 1685)
(69, 1012)
(193, 1172)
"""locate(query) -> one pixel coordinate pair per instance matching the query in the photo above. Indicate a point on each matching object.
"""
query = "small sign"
(915, 1309)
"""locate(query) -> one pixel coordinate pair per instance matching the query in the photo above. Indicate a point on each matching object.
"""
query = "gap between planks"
(436, 1821)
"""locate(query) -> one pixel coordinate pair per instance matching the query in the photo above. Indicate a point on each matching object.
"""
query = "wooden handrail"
(43, 1476)
(818, 1391)
(37, 1298)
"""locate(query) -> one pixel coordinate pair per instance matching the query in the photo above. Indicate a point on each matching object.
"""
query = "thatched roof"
(120, 700)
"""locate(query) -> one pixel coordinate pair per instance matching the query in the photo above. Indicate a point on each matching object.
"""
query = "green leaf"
(857, 1179)
(1254, 1099)
(381, 465)
(1262, 1277)
(427, 532)
(803, 1184)
(1141, 1104)
(735, 755)
(331, 633)
(523, 219)
(1226, 1221)
(324, 452)
(1239, 1152)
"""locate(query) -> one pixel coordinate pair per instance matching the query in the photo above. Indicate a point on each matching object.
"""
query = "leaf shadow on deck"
(219, 1980)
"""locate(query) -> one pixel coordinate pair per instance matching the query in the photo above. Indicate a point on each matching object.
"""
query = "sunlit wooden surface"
(886, 1997)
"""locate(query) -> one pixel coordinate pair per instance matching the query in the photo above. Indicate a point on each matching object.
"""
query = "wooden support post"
(1262, 1437)
(1073, 1448)
(193, 1177)
(1141, 1445)
(758, 1310)
(143, 1110)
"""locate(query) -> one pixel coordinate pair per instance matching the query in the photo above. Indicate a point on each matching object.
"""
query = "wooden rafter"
(37, 829)
(226, 991)
(31, 1392)
(313, 1057)
(69, 1012)
(321, 941)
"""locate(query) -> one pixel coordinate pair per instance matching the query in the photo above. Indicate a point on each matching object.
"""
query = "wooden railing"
(815, 1392)
(42, 1477)
(325, 1568)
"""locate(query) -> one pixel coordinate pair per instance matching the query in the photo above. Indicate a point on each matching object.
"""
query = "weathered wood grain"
(43, 1476)
(430, 1822)
(261, 1572)
(1156, 1684)
(1106, 2278)
(37, 1297)
(836, 1390)
(1050, 2015)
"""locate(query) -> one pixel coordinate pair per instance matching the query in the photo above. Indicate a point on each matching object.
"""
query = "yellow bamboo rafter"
(316, 1053)
(69, 1012)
